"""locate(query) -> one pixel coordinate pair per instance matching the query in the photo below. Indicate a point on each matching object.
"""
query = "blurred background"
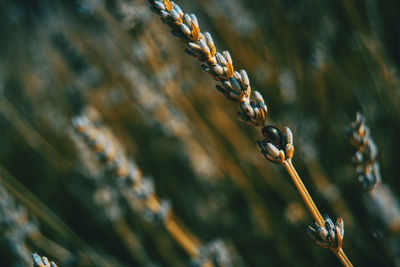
(315, 62)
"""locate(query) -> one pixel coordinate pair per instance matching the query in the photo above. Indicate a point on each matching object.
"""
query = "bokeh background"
(315, 62)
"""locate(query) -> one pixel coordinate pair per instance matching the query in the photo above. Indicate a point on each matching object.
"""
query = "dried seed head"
(281, 141)
(164, 15)
(260, 100)
(246, 85)
(220, 59)
(194, 20)
(237, 76)
(218, 69)
(210, 43)
(273, 135)
(289, 148)
(271, 152)
(194, 47)
(330, 227)
(339, 227)
(159, 6)
(274, 154)
(330, 236)
(187, 20)
(175, 15)
(254, 113)
(227, 56)
(185, 30)
(235, 85)
(195, 29)
(247, 109)
(229, 65)
(227, 93)
(178, 10)
(167, 4)
(204, 48)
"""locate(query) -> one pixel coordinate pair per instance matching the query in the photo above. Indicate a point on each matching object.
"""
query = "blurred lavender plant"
(382, 203)
(138, 190)
(15, 226)
(216, 251)
(367, 167)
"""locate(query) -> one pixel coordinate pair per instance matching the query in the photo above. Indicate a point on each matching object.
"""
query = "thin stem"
(312, 207)
(304, 193)
(343, 258)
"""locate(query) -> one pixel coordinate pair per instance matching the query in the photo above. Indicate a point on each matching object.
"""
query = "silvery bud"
(329, 236)
(277, 146)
